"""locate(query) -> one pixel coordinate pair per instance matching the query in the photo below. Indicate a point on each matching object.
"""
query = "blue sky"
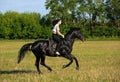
(23, 6)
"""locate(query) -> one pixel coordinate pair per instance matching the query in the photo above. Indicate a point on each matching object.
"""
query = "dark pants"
(57, 38)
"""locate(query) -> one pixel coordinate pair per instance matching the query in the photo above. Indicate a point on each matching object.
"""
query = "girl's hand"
(63, 36)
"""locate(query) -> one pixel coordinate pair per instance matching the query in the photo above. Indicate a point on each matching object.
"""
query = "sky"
(23, 6)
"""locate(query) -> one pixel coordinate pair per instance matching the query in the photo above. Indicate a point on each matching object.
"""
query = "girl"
(57, 35)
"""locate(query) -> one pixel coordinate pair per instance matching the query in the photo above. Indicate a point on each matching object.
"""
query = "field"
(99, 62)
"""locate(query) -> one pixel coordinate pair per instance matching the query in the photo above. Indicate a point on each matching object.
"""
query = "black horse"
(42, 48)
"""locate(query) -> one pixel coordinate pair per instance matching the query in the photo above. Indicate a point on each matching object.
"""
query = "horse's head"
(78, 34)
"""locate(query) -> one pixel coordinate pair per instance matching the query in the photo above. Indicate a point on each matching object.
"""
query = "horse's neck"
(72, 42)
(70, 39)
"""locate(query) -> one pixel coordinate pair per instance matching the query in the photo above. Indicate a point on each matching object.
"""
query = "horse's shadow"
(16, 71)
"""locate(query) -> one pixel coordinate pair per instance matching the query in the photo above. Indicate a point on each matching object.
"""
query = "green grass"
(99, 62)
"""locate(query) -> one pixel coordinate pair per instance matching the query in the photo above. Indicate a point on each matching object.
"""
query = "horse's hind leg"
(37, 60)
(71, 60)
(43, 63)
(37, 64)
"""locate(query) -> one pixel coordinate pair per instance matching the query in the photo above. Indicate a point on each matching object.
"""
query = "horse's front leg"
(71, 57)
(76, 61)
(71, 60)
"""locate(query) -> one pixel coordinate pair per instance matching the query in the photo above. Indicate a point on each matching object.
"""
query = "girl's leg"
(58, 39)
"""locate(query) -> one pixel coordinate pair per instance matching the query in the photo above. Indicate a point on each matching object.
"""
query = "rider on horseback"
(57, 35)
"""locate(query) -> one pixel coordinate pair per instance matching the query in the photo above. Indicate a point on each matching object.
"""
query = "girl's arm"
(58, 32)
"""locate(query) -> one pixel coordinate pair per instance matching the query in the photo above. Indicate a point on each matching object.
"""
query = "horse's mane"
(71, 30)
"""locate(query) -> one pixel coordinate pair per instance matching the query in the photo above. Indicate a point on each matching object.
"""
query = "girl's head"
(57, 21)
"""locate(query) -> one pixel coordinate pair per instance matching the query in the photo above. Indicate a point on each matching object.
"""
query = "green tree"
(30, 25)
(113, 12)
(64, 9)
(5, 26)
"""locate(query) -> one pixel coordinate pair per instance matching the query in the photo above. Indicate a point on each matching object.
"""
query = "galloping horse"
(42, 48)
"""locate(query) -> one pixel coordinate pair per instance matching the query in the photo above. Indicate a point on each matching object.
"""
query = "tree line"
(95, 18)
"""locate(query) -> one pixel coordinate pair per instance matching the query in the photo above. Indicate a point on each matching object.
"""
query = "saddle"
(51, 47)
(52, 44)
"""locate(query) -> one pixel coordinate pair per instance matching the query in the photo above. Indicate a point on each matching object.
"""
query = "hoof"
(40, 72)
(64, 66)
(77, 68)
(50, 70)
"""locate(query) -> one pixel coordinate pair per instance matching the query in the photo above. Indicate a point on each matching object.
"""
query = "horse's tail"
(25, 48)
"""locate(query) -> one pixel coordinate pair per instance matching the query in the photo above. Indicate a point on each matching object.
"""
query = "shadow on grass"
(16, 71)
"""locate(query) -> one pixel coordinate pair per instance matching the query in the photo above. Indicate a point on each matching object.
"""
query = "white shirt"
(55, 28)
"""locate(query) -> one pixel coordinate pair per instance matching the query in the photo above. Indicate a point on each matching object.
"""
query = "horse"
(43, 48)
